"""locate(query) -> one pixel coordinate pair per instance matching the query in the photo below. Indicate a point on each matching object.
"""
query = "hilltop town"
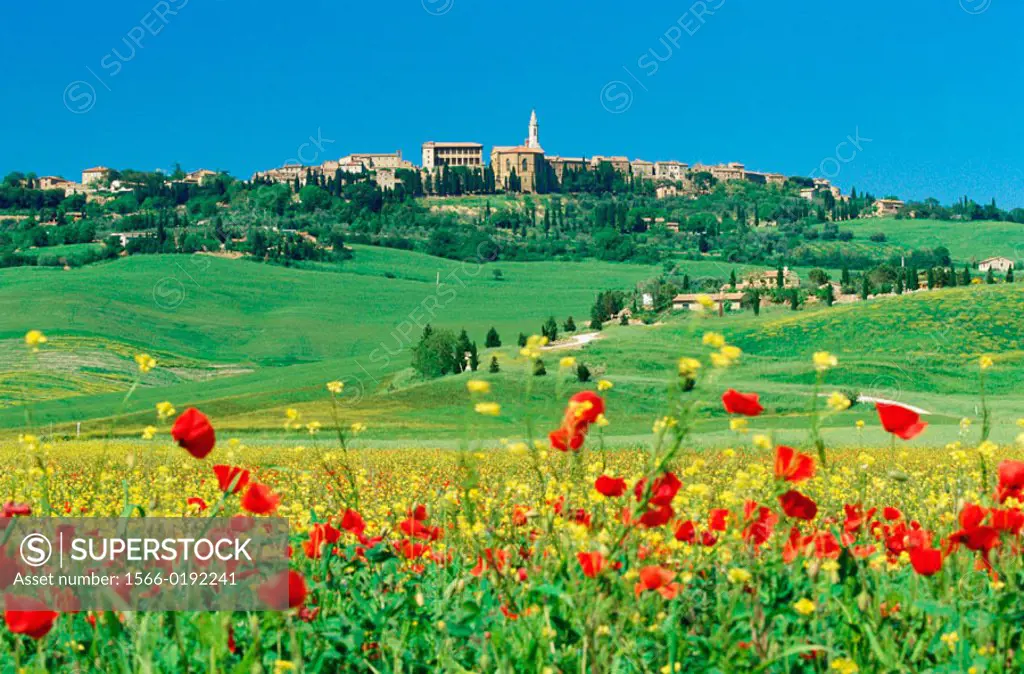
(524, 168)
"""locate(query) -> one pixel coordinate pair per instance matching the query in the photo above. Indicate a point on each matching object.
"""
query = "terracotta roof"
(96, 169)
(516, 149)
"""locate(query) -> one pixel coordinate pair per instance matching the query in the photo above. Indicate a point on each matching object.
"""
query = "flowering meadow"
(556, 553)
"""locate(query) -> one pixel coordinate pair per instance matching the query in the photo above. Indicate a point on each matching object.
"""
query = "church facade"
(520, 168)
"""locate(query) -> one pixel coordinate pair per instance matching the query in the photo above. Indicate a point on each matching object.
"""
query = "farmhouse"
(94, 175)
(1000, 264)
(768, 280)
(886, 207)
(696, 301)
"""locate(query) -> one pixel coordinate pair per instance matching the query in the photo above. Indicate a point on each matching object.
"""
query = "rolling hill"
(246, 340)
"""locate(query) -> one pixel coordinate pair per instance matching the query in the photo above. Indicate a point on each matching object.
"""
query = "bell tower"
(533, 141)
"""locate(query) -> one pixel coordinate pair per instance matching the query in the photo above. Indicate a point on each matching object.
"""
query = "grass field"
(246, 341)
(966, 241)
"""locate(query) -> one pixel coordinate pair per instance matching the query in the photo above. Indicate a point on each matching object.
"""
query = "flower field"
(557, 553)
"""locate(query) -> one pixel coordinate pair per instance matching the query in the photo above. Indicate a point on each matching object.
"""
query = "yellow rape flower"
(567, 362)
(165, 410)
(604, 385)
(145, 362)
(358, 428)
(738, 425)
(335, 387)
(534, 343)
(985, 362)
(148, 432)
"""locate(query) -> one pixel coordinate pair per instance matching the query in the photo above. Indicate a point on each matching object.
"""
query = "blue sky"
(932, 88)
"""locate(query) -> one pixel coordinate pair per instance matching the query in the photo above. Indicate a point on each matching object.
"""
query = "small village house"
(999, 264)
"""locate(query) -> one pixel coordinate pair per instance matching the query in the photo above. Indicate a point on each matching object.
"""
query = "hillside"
(248, 340)
(966, 241)
(274, 330)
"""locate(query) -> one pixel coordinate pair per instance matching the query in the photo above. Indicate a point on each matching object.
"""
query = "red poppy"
(583, 409)
(198, 502)
(717, 519)
(231, 475)
(193, 432)
(321, 534)
(287, 586)
(565, 439)
(891, 513)
(418, 513)
(686, 532)
(610, 486)
(591, 562)
(900, 421)
(259, 500)
(926, 561)
(761, 523)
(792, 466)
(746, 404)
(25, 615)
(663, 490)
(1011, 480)
(657, 517)
(797, 505)
(659, 579)
(586, 406)
(12, 509)
(352, 522)
(1008, 519)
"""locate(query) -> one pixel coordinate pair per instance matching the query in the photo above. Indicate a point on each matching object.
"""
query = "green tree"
(494, 365)
(794, 299)
(990, 277)
(1009, 275)
(582, 373)
(432, 356)
(522, 340)
(474, 357)
(492, 341)
(569, 325)
(865, 287)
(538, 368)
(550, 329)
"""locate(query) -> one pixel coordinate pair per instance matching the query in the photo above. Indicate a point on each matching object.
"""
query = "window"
(524, 165)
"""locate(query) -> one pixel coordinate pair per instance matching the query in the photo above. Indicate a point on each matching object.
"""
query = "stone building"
(436, 155)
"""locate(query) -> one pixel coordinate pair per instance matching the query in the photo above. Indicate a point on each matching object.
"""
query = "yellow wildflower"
(313, 427)
(478, 386)
(950, 639)
(604, 385)
(714, 340)
(488, 409)
(845, 666)
(148, 432)
(602, 420)
(860, 424)
(705, 301)
(804, 607)
(335, 387)
(534, 343)
(823, 360)
(165, 410)
(688, 367)
(738, 576)
(145, 362)
(837, 402)
(358, 427)
(567, 362)
(985, 362)
(34, 339)
(738, 425)
(762, 441)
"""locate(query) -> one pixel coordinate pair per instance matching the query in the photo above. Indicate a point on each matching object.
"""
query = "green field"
(246, 340)
(966, 241)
